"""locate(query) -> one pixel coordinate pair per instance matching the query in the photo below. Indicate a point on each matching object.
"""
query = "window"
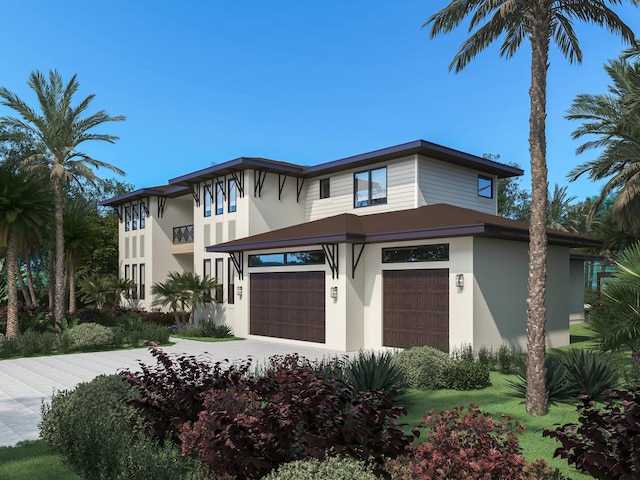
(142, 285)
(325, 191)
(134, 269)
(485, 187)
(134, 216)
(207, 200)
(143, 213)
(126, 272)
(233, 195)
(370, 187)
(231, 283)
(425, 253)
(206, 273)
(310, 257)
(219, 277)
(219, 198)
(127, 218)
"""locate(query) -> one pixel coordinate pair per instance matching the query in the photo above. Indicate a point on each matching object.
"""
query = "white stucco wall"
(576, 273)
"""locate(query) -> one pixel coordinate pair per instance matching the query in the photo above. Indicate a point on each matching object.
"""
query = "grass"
(33, 461)
(206, 339)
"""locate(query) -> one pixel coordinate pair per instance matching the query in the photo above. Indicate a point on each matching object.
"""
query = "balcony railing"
(183, 234)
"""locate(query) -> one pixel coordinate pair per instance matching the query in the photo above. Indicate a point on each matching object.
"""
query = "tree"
(540, 21)
(25, 211)
(58, 131)
(183, 293)
(513, 201)
(617, 129)
(559, 208)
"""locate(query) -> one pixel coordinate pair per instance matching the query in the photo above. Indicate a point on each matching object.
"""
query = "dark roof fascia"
(417, 147)
(172, 192)
(240, 246)
(241, 163)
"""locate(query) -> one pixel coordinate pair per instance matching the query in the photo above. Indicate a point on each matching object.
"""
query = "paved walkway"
(26, 382)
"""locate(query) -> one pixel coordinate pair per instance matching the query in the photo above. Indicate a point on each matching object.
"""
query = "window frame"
(444, 246)
(208, 200)
(369, 180)
(141, 281)
(219, 204)
(232, 189)
(143, 214)
(219, 275)
(127, 218)
(325, 188)
(481, 188)
(231, 282)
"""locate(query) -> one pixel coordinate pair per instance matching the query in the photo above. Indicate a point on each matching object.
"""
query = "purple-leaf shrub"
(606, 444)
(170, 392)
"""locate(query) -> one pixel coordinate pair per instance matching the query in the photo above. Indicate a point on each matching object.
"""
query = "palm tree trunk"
(59, 290)
(23, 287)
(32, 290)
(72, 287)
(51, 272)
(536, 399)
(12, 305)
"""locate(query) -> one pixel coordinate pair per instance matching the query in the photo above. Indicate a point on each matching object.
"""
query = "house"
(395, 247)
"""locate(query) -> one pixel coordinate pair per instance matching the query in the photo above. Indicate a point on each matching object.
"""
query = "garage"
(415, 308)
(288, 305)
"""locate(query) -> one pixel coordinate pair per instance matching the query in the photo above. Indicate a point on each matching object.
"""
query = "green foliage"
(183, 293)
(208, 328)
(466, 371)
(103, 438)
(333, 468)
(423, 367)
(559, 389)
(371, 371)
(90, 335)
(509, 360)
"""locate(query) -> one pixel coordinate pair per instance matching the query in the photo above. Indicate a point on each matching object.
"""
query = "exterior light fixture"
(239, 291)
(333, 292)
(460, 280)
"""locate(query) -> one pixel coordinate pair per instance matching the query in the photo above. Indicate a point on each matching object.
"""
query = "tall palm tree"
(25, 211)
(617, 129)
(539, 21)
(58, 130)
(559, 207)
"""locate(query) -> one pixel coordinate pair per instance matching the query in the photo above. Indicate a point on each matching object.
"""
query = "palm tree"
(539, 21)
(58, 130)
(618, 135)
(25, 210)
(559, 208)
(183, 293)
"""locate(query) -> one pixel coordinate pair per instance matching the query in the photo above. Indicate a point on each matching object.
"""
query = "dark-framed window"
(485, 187)
(325, 188)
(309, 257)
(206, 273)
(207, 200)
(231, 282)
(422, 253)
(143, 214)
(370, 187)
(232, 192)
(126, 272)
(141, 279)
(134, 270)
(219, 265)
(219, 198)
(134, 216)
(127, 218)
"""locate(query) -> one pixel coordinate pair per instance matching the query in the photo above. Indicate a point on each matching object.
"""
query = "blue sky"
(203, 82)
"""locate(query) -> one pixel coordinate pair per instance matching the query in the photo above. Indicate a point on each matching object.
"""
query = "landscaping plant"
(606, 443)
(423, 367)
(333, 468)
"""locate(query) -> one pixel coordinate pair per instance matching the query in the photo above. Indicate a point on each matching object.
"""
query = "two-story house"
(395, 247)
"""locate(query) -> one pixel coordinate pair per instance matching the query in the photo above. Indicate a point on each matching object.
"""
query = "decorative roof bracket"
(300, 184)
(258, 182)
(331, 253)
(354, 260)
(238, 262)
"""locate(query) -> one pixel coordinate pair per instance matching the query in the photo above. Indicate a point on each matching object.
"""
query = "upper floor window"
(134, 216)
(370, 187)
(485, 187)
(207, 200)
(325, 191)
(233, 195)
(143, 213)
(219, 198)
(127, 218)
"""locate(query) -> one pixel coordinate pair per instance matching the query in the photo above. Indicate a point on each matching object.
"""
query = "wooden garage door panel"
(416, 308)
(288, 305)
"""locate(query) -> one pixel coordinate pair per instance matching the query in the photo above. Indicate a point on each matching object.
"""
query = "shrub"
(90, 335)
(103, 438)
(64, 341)
(559, 388)
(423, 367)
(487, 357)
(292, 412)
(170, 393)
(158, 318)
(208, 328)
(369, 371)
(606, 444)
(9, 347)
(333, 468)
(150, 332)
(47, 342)
(28, 343)
(510, 361)
(590, 373)
(467, 446)
(467, 375)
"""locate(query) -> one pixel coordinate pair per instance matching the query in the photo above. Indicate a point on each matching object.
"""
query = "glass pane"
(267, 259)
(312, 257)
(379, 186)
(361, 188)
(207, 202)
(427, 253)
(324, 188)
(233, 194)
(485, 187)
(219, 199)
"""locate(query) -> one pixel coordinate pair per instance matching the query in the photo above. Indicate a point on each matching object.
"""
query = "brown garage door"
(416, 308)
(288, 305)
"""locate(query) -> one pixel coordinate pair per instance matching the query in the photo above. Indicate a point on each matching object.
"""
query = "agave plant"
(559, 387)
(591, 373)
(369, 371)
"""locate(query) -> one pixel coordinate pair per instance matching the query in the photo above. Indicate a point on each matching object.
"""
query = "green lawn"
(33, 461)
(207, 339)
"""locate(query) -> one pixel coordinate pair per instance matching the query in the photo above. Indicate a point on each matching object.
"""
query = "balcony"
(182, 239)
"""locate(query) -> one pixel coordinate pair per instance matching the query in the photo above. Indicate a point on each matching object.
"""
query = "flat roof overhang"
(162, 191)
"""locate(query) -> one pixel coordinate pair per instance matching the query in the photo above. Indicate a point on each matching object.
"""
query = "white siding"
(442, 182)
(401, 191)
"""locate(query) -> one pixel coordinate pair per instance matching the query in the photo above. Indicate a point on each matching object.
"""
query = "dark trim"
(195, 191)
(238, 262)
(238, 176)
(299, 185)
(281, 180)
(331, 253)
(258, 182)
(161, 203)
(355, 261)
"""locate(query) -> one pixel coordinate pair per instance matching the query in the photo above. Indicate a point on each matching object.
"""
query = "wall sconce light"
(333, 292)
(239, 291)
(460, 280)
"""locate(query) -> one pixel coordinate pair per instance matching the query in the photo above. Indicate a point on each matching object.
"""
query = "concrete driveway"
(26, 382)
